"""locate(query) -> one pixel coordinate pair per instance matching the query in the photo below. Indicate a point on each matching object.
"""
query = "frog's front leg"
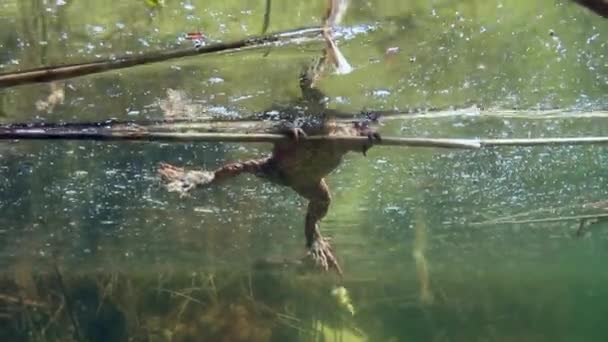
(360, 128)
(318, 246)
(293, 131)
(372, 138)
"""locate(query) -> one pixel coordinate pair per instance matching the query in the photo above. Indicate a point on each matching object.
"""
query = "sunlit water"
(434, 243)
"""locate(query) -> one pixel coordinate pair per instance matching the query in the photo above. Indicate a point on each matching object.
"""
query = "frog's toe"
(372, 138)
(322, 255)
(300, 132)
(296, 133)
(182, 181)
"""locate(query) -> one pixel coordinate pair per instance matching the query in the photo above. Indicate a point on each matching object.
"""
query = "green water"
(125, 246)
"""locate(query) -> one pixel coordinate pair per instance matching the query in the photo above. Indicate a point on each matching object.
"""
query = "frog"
(295, 162)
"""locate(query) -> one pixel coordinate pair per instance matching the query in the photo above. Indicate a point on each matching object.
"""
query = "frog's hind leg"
(257, 167)
(319, 248)
(178, 179)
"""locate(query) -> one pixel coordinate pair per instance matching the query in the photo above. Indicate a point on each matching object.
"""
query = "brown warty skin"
(297, 163)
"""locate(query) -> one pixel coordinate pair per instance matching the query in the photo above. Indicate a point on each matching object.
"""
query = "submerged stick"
(141, 133)
(543, 220)
(54, 73)
(247, 131)
(138, 135)
(266, 16)
(23, 301)
(543, 141)
(422, 265)
(68, 304)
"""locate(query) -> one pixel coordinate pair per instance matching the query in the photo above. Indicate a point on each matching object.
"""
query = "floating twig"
(54, 317)
(543, 141)
(421, 262)
(54, 73)
(23, 301)
(136, 135)
(333, 16)
(182, 295)
(223, 131)
(266, 16)
(543, 220)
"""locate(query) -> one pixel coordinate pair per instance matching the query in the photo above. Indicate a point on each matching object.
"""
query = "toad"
(295, 162)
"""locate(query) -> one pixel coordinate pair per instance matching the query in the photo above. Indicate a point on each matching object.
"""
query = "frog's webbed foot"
(180, 180)
(322, 255)
(293, 131)
(365, 131)
(296, 133)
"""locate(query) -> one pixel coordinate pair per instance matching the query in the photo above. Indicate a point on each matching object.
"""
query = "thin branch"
(53, 319)
(109, 135)
(223, 131)
(543, 220)
(543, 141)
(68, 304)
(23, 301)
(183, 295)
(54, 73)
(266, 16)
(473, 111)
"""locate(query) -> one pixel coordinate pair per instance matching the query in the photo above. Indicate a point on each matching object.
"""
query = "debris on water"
(95, 29)
(197, 38)
(343, 298)
(392, 50)
(206, 210)
(215, 80)
(144, 42)
(340, 62)
(155, 3)
(80, 173)
(341, 99)
(381, 93)
(223, 111)
(56, 97)
(592, 38)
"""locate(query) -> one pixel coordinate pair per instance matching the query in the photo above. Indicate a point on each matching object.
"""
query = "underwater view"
(241, 170)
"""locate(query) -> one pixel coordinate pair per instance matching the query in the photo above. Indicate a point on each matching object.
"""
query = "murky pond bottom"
(508, 301)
